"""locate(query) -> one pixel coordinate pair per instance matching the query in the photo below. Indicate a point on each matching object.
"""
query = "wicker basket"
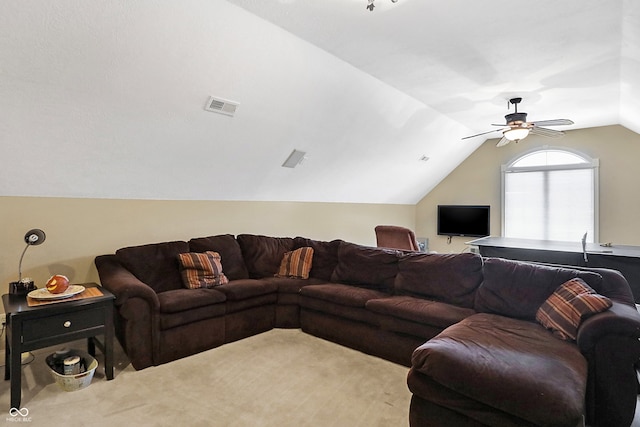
(77, 381)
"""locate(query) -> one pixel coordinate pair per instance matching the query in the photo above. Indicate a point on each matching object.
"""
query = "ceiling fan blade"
(504, 141)
(554, 122)
(478, 134)
(551, 133)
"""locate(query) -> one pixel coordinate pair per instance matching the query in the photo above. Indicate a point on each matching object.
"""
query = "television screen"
(461, 220)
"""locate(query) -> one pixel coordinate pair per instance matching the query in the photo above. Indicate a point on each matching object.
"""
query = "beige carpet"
(279, 378)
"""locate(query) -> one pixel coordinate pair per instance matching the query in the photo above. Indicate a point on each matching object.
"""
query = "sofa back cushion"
(367, 267)
(155, 264)
(263, 254)
(517, 289)
(325, 256)
(230, 254)
(451, 278)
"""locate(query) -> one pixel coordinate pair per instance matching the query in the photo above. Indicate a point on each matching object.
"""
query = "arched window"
(550, 194)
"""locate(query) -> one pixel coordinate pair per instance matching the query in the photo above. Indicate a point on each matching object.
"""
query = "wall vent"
(222, 106)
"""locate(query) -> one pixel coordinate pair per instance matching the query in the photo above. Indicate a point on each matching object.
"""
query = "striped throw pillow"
(296, 264)
(572, 302)
(201, 270)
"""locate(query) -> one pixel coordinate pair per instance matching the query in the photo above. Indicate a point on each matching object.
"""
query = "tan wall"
(477, 181)
(79, 229)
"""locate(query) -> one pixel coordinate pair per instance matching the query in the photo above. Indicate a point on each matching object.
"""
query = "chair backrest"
(395, 237)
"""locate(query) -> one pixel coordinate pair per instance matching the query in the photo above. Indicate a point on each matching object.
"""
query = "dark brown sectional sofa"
(465, 325)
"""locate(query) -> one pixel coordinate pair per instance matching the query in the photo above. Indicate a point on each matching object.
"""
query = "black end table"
(33, 327)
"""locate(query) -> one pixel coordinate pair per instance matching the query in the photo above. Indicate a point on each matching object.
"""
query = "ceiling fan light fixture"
(516, 134)
(518, 128)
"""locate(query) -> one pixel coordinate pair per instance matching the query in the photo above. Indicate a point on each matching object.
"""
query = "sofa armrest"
(137, 311)
(123, 284)
(620, 320)
(610, 343)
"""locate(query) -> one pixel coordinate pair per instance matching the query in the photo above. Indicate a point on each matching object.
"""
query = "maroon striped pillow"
(573, 301)
(201, 270)
(296, 264)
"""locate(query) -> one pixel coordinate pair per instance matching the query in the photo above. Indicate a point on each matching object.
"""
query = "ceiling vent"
(222, 106)
(295, 158)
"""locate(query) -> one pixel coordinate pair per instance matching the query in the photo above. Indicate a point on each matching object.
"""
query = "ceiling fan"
(517, 127)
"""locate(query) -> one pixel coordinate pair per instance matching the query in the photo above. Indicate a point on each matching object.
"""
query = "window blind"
(550, 204)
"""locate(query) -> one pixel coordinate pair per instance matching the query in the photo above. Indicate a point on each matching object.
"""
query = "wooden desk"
(43, 325)
(625, 259)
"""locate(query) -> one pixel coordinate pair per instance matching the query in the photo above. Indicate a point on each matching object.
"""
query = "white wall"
(110, 96)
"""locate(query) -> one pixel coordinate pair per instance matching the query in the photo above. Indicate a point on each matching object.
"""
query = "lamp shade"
(516, 134)
(34, 237)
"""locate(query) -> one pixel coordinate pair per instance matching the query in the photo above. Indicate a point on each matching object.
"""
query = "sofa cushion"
(513, 365)
(438, 405)
(517, 289)
(184, 306)
(265, 304)
(187, 299)
(338, 313)
(201, 270)
(568, 305)
(406, 329)
(419, 310)
(230, 254)
(247, 288)
(200, 314)
(451, 278)
(341, 301)
(296, 264)
(351, 296)
(364, 266)
(263, 254)
(289, 288)
(325, 256)
(155, 264)
(288, 285)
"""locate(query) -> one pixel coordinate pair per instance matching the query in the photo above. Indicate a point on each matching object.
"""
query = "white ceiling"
(465, 59)
(110, 94)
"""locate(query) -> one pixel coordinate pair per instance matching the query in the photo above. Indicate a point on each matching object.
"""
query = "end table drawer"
(62, 324)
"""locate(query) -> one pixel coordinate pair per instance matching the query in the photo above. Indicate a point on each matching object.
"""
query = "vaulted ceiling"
(105, 99)
(465, 59)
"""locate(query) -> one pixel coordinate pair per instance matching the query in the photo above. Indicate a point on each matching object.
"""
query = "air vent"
(222, 106)
(295, 158)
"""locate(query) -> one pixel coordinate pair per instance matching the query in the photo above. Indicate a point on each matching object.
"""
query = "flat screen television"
(463, 220)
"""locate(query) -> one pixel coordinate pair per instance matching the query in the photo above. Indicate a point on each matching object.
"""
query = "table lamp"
(23, 286)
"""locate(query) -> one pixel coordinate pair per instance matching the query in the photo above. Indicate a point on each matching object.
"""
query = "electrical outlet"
(3, 319)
